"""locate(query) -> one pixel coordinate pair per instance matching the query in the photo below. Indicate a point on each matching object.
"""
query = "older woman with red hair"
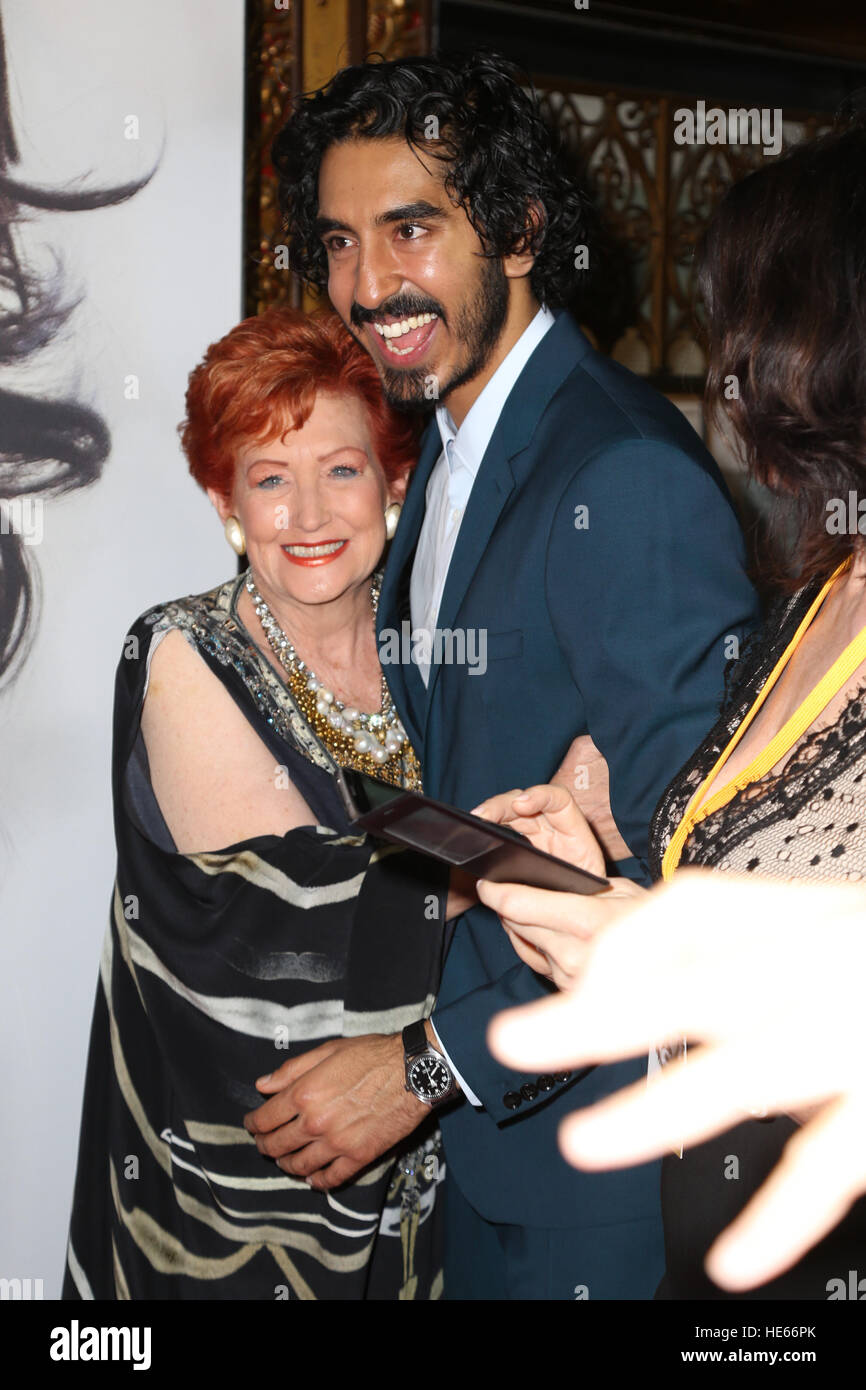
(249, 921)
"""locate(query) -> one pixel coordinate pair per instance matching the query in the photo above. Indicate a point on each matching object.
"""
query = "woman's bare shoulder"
(176, 667)
(177, 673)
(215, 780)
(186, 708)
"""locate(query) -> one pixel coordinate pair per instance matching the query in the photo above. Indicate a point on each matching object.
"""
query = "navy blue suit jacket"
(601, 554)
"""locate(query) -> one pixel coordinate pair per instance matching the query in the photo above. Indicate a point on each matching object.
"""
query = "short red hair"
(261, 380)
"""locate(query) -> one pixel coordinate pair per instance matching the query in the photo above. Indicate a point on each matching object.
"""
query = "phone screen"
(429, 830)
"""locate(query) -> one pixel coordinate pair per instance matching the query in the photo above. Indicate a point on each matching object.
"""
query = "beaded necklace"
(374, 743)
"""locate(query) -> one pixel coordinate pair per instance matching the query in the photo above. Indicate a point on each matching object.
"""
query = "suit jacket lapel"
(555, 356)
(491, 489)
(551, 362)
(404, 680)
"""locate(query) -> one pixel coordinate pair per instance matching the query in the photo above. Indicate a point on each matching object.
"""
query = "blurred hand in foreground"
(769, 979)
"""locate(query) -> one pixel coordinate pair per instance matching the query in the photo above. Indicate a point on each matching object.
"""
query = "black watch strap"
(415, 1039)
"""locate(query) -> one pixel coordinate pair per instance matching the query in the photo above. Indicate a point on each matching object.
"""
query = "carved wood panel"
(656, 197)
(291, 49)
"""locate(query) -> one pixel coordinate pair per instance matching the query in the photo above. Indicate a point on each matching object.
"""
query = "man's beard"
(477, 328)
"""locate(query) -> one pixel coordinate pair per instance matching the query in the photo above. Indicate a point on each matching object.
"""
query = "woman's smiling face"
(312, 505)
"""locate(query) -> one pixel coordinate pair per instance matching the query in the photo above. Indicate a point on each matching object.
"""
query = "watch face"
(429, 1077)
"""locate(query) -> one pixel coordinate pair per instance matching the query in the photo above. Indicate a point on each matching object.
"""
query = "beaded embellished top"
(807, 820)
(289, 705)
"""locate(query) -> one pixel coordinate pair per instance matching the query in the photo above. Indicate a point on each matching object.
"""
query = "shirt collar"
(469, 442)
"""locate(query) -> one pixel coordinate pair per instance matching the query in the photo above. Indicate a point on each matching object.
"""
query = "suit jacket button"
(562, 1076)
(529, 1091)
(512, 1099)
(546, 1082)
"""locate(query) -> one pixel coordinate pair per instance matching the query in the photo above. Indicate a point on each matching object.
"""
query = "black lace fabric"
(808, 820)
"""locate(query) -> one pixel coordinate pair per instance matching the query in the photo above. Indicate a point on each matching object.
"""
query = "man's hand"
(584, 774)
(336, 1109)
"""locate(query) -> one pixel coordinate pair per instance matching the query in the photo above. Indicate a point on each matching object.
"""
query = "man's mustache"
(396, 308)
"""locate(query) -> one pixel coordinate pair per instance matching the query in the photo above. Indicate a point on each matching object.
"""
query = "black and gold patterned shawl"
(218, 966)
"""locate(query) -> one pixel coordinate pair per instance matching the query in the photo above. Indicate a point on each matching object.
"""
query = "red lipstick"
(313, 559)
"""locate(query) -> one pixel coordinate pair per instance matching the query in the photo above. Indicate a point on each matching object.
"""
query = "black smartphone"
(478, 847)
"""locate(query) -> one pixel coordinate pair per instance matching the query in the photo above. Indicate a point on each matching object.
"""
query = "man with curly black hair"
(568, 524)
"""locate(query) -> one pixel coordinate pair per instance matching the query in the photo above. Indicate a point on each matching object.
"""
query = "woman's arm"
(215, 781)
(461, 894)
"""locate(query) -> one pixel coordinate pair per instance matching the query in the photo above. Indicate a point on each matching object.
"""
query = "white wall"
(160, 276)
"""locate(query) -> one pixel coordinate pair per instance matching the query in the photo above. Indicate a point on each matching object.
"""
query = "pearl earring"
(392, 516)
(235, 535)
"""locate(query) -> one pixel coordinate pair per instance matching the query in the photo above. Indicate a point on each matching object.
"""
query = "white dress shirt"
(453, 474)
(448, 490)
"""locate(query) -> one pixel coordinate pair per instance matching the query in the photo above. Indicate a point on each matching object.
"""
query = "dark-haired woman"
(778, 787)
(250, 922)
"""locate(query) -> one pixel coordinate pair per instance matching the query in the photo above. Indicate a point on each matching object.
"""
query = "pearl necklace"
(378, 740)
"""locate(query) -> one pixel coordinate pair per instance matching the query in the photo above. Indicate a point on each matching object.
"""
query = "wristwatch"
(428, 1075)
